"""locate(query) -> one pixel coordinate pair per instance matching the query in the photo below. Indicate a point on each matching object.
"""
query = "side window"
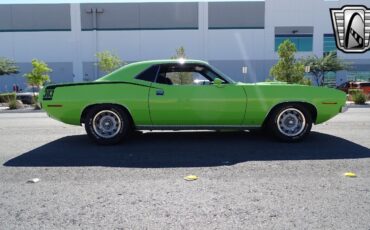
(148, 74)
(199, 79)
(187, 78)
(189, 74)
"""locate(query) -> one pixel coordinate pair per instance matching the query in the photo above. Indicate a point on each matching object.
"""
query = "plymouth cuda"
(187, 95)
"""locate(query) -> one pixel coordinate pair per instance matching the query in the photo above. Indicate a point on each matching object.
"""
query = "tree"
(8, 66)
(108, 62)
(321, 65)
(39, 74)
(180, 53)
(181, 78)
(288, 69)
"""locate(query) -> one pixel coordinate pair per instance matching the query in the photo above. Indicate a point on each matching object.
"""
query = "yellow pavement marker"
(350, 174)
(190, 178)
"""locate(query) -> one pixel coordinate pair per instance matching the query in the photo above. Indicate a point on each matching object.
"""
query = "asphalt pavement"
(246, 180)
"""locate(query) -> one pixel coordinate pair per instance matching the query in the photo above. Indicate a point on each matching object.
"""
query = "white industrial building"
(227, 34)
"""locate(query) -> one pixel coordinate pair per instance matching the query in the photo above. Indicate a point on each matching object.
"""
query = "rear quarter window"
(148, 74)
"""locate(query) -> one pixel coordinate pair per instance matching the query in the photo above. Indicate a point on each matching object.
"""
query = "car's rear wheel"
(290, 122)
(107, 124)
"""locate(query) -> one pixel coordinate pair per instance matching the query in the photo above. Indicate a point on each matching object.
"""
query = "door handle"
(159, 92)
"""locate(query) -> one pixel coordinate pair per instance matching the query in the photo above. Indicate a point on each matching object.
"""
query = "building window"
(302, 42)
(358, 76)
(301, 36)
(330, 79)
(329, 44)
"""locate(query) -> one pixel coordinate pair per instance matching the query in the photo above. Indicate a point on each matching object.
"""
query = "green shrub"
(354, 91)
(305, 81)
(12, 104)
(15, 104)
(357, 96)
(7, 97)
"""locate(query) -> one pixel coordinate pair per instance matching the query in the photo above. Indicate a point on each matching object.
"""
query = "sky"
(105, 1)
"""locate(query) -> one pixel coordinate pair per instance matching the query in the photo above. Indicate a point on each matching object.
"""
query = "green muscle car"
(187, 94)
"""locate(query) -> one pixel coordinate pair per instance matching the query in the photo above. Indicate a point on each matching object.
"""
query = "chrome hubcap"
(106, 124)
(291, 122)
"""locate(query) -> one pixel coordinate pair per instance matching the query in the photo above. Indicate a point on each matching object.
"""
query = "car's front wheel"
(290, 122)
(107, 124)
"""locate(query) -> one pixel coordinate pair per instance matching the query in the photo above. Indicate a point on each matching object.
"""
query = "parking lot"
(246, 180)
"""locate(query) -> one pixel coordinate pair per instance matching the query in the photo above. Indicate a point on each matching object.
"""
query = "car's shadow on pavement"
(186, 149)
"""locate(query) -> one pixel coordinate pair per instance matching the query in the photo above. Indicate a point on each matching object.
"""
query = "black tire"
(280, 129)
(111, 114)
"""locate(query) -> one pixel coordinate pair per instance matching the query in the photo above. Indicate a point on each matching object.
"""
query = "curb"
(30, 110)
(353, 105)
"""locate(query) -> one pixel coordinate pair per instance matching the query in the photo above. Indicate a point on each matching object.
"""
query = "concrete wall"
(138, 16)
(245, 15)
(243, 34)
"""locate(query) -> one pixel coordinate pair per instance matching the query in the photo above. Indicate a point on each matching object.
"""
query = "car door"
(184, 95)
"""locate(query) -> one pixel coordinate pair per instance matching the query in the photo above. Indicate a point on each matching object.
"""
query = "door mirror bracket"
(218, 82)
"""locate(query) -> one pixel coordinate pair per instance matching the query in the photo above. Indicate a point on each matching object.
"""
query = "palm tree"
(321, 65)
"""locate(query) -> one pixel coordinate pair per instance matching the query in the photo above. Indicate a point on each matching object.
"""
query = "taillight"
(48, 94)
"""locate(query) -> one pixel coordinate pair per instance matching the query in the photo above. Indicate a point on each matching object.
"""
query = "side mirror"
(218, 82)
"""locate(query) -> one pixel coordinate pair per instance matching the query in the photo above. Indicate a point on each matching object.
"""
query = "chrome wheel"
(106, 124)
(291, 122)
